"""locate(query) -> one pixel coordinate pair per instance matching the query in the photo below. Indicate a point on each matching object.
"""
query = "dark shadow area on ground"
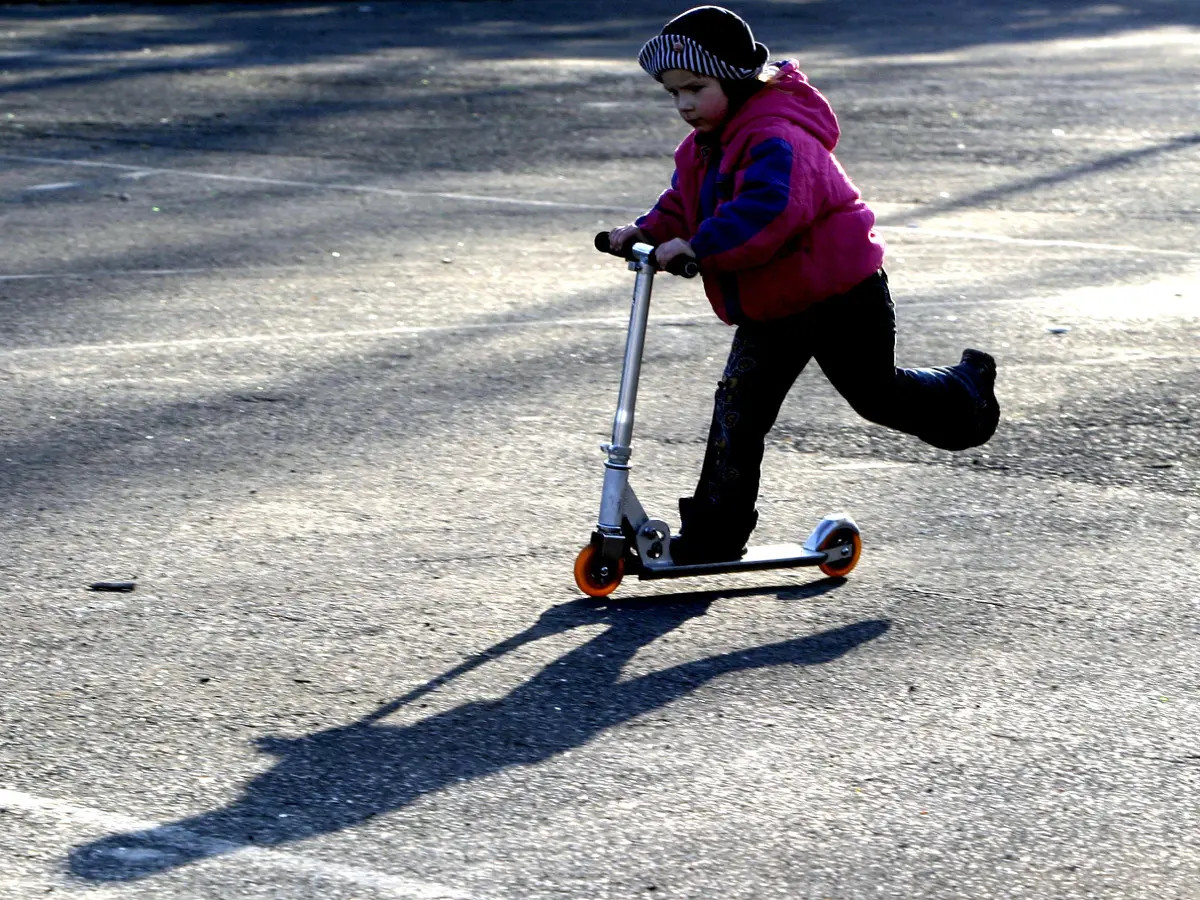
(1029, 186)
(341, 777)
(278, 35)
(352, 72)
(275, 33)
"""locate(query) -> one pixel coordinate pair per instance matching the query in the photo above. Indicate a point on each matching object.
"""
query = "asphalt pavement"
(302, 333)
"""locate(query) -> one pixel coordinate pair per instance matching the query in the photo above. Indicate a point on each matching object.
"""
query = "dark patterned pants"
(853, 339)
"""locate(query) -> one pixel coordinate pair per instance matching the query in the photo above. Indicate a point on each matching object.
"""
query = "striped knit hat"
(707, 40)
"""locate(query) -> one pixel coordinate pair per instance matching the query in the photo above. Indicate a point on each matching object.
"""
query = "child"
(788, 255)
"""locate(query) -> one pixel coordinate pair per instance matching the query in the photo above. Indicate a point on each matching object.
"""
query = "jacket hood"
(789, 96)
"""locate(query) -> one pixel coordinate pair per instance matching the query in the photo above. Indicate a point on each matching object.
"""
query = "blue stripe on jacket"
(764, 194)
(732, 298)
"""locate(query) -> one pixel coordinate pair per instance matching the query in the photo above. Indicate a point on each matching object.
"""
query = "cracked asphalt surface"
(301, 330)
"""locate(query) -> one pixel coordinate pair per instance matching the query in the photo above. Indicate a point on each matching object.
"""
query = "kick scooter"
(626, 540)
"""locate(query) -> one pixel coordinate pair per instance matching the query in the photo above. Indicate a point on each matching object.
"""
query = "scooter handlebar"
(683, 266)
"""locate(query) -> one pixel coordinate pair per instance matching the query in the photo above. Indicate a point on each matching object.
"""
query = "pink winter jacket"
(775, 222)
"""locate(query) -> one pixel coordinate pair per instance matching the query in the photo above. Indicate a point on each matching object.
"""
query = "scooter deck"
(770, 556)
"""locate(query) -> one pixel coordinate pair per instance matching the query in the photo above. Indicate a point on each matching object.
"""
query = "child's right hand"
(619, 238)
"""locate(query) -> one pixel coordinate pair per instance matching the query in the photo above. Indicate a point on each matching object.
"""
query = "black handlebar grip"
(683, 266)
(602, 243)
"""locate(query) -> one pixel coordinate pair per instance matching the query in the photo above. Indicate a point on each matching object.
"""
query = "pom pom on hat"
(707, 40)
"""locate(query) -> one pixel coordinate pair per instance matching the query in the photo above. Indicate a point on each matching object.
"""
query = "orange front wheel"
(597, 577)
(841, 538)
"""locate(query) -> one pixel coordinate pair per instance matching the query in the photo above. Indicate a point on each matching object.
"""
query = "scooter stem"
(639, 314)
(619, 450)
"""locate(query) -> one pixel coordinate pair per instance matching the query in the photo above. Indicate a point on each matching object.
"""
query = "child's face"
(698, 98)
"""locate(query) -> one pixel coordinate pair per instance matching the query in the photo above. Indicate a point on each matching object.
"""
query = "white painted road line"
(418, 330)
(703, 318)
(45, 276)
(56, 186)
(219, 851)
(143, 171)
(407, 330)
(952, 234)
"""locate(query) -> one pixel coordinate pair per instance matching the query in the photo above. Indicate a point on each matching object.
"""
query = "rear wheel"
(842, 565)
(595, 576)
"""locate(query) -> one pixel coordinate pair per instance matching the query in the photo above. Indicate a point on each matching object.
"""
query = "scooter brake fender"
(831, 523)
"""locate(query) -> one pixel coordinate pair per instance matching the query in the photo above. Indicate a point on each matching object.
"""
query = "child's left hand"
(671, 249)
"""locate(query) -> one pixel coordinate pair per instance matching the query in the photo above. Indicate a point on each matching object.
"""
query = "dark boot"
(710, 533)
(981, 368)
(976, 375)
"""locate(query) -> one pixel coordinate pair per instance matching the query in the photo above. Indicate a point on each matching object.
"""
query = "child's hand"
(618, 238)
(671, 249)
